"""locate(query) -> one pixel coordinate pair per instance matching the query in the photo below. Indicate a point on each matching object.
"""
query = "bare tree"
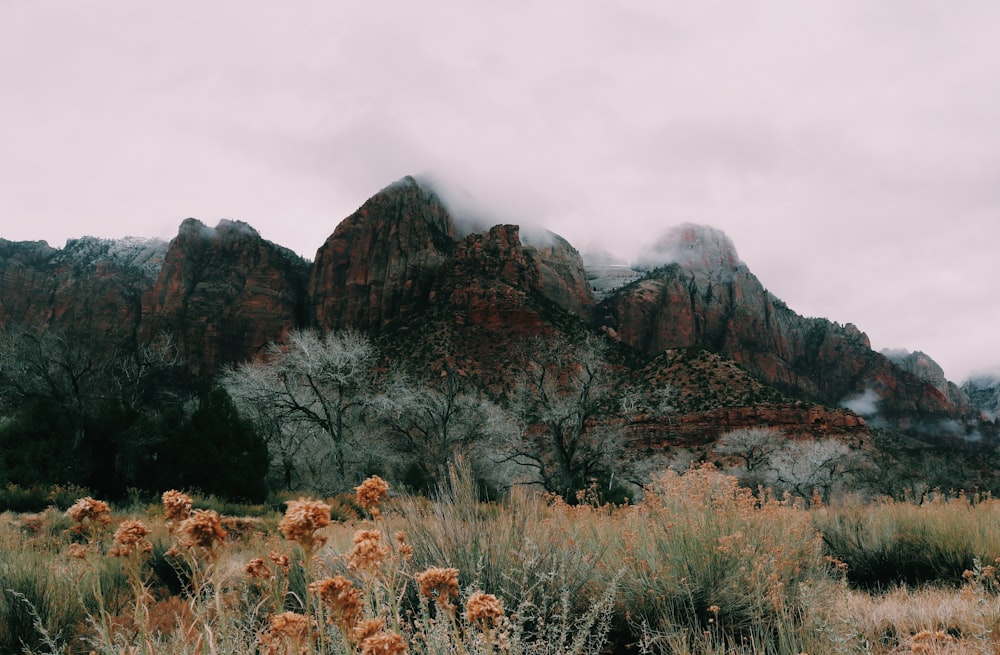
(561, 389)
(432, 423)
(45, 366)
(100, 402)
(313, 383)
(755, 448)
(808, 467)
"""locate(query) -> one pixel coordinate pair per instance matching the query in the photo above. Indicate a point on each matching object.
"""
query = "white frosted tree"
(429, 424)
(308, 390)
(811, 467)
(755, 448)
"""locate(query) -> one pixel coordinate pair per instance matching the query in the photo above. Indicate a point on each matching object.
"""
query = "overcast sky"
(851, 150)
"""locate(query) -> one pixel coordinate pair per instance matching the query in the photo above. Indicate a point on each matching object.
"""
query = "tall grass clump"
(891, 542)
(711, 568)
(35, 596)
(526, 548)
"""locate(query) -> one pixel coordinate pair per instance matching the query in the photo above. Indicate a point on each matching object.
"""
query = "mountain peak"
(698, 247)
(225, 228)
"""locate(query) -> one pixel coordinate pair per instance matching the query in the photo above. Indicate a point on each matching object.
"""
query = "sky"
(850, 149)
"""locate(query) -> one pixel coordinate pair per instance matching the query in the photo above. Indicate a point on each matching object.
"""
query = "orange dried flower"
(383, 643)
(130, 537)
(484, 610)
(287, 629)
(439, 585)
(366, 628)
(301, 521)
(96, 512)
(176, 505)
(203, 528)
(342, 598)
(371, 492)
(78, 551)
(368, 552)
(256, 568)
(280, 560)
(404, 549)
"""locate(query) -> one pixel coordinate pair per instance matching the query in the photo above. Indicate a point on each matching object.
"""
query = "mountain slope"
(700, 294)
(400, 268)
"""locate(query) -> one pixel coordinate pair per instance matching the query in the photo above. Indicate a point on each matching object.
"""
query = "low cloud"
(863, 404)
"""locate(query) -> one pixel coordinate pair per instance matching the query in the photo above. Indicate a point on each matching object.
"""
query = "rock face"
(92, 289)
(706, 297)
(399, 268)
(224, 293)
(983, 392)
(561, 277)
(921, 365)
(391, 259)
(381, 262)
(496, 282)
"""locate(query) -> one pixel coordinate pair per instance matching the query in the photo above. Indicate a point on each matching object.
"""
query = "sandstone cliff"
(389, 260)
(381, 262)
(224, 293)
(699, 294)
(91, 289)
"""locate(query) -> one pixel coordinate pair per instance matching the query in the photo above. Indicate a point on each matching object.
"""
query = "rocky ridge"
(224, 293)
(983, 392)
(705, 296)
(399, 268)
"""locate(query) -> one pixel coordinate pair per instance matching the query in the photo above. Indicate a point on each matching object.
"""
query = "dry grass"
(699, 567)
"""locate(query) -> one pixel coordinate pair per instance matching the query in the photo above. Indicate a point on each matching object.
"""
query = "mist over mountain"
(404, 265)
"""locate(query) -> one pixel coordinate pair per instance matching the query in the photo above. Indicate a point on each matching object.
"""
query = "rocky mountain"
(983, 392)
(224, 293)
(391, 258)
(91, 289)
(399, 268)
(381, 262)
(697, 292)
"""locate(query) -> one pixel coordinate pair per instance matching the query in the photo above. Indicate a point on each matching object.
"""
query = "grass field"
(700, 565)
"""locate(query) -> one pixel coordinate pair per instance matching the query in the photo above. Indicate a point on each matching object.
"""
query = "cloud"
(849, 149)
(863, 404)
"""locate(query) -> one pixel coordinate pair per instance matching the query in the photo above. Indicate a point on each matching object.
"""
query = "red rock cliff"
(381, 262)
(390, 259)
(700, 294)
(224, 293)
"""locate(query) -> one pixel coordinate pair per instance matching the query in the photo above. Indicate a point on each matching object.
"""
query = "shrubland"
(698, 565)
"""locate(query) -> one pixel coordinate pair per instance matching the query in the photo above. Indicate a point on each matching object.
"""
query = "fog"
(849, 149)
